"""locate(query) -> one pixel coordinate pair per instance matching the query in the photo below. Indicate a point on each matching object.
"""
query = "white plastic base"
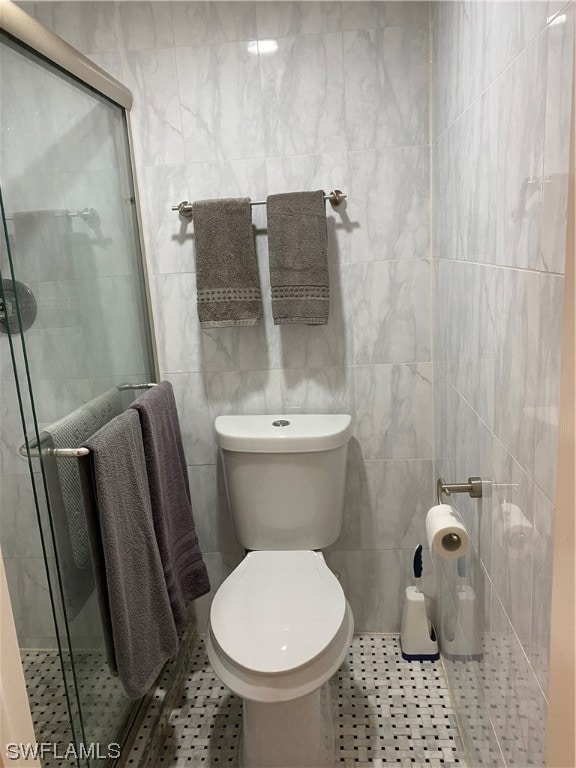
(291, 734)
(417, 637)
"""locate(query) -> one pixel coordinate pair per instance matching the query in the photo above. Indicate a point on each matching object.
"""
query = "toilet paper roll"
(517, 528)
(443, 523)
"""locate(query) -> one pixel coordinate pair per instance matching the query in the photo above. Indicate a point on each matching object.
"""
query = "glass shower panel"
(73, 261)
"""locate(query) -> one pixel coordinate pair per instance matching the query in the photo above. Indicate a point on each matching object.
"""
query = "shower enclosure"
(74, 323)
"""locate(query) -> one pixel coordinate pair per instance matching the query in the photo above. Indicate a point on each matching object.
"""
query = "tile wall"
(341, 102)
(501, 101)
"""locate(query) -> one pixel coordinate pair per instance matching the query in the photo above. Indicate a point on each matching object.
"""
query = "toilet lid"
(278, 610)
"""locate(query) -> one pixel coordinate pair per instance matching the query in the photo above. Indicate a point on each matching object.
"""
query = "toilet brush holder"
(417, 636)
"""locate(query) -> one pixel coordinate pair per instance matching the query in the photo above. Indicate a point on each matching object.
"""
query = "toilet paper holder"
(473, 487)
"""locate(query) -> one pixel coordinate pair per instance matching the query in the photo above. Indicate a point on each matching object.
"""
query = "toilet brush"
(417, 636)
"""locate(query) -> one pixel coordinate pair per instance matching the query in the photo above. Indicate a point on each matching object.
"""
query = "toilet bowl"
(280, 625)
(279, 628)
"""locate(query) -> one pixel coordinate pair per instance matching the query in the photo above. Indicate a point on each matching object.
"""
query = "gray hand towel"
(139, 628)
(226, 267)
(184, 568)
(65, 495)
(298, 254)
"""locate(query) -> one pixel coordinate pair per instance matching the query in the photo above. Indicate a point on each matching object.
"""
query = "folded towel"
(139, 628)
(184, 569)
(298, 253)
(226, 267)
(65, 495)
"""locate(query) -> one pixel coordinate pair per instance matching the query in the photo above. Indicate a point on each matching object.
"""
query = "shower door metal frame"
(44, 43)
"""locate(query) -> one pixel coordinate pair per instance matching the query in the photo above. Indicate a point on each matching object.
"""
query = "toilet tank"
(285, 478)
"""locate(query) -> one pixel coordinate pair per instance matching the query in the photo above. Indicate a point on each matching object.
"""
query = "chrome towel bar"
(30, 450)
(185, 208)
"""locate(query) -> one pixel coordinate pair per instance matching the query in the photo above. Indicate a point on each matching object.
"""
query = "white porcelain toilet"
(280, 625)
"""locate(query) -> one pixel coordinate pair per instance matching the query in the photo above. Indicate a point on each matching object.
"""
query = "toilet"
(280, 625)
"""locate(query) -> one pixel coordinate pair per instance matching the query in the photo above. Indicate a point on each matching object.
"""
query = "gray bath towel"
(65, 495)
(136, 616)
(298, 254)
(226, 267)
(184, 569)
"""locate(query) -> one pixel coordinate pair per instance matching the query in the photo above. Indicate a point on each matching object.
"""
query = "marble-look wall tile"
(244, 349)
(155, 117)
(483, 177)
(25, 88)
(195, 418)
(231, 178)
(361, 573)
(463, 448)
(548, 393)
(146, 25)
(197, 23)
(557, 143)
(284, 19)
(386, 504)
(210, 508)
(19, 532)
(389, 204)
(452, 190)
(520, 157)
(386, 79)
(109, 303)
(177, 326)
(516, 362)
(317, 390)
(221, 102)
(394, 411)
(513, 541)
(465, 322)
(11, 435)
(303, 94)
(510, 27)
(167, 238)
(88, 26)
(390, 311)
(235, 392)
(541, 588)
(220, 566)
(28, 586)
(371, 15)
(55, 353)
(306, 346)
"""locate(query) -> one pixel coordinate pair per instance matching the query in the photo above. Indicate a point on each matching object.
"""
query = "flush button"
(280, 423)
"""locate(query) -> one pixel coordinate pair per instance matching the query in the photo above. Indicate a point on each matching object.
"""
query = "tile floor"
(104, 704)
(388, 712)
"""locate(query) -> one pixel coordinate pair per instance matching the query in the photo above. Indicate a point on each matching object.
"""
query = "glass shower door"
(74, 324)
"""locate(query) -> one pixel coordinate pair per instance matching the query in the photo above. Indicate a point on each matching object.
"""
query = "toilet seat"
(277, 611)
(280, 625)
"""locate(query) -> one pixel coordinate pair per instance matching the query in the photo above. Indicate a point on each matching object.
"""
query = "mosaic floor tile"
(387, 712)
(104, 703)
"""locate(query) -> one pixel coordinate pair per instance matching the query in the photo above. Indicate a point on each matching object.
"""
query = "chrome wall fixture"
(473, 487)
(185, 208)
(31, 450)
